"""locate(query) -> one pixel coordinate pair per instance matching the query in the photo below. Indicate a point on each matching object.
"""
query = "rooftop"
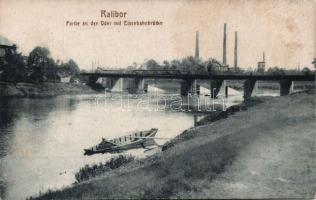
(4, 41)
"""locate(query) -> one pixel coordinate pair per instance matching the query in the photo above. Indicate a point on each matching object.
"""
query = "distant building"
(261, 67)
(214, 66)
(224, 68)
(5, 45)
(75, 80)
(65, 79)
(262, 64)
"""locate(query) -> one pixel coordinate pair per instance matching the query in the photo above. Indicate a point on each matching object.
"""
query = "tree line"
(193, 65)
(39, 66)
(188, 64)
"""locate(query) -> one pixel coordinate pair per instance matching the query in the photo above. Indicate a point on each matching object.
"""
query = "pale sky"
(285, 30)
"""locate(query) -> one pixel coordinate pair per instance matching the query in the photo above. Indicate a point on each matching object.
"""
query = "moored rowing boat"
(135, 140)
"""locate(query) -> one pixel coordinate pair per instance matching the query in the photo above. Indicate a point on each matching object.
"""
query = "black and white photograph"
(157, 99)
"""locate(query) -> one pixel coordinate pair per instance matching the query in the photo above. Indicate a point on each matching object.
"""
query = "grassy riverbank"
(41, 90)
(264, 151)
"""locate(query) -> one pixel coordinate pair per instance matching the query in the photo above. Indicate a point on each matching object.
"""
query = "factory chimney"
(197, 53)
(235, 52)
(224, 46)
(263, 57)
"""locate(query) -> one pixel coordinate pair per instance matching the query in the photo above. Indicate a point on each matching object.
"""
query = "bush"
(88, 172)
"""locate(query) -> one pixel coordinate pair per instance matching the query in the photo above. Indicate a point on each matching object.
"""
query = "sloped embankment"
(264, 152)
(41, 90)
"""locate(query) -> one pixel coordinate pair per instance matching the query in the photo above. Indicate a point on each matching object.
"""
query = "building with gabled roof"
(5, 45)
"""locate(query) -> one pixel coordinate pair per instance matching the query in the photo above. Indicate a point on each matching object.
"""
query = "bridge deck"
(203, 76)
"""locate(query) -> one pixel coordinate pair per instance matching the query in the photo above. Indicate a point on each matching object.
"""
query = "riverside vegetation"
(87, 172)
(38, 75)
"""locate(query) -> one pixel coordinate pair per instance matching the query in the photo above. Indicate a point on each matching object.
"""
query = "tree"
(135, 65)
(192, 64)
(41, 65)
(72, 68)
(38, 57)
(238, 70)
(166, 65)
(314, 62)
(306, 71)
(276, 71)
(175, 64)
(69, 68)
(212, 66)
(13, 67)
(152, 65)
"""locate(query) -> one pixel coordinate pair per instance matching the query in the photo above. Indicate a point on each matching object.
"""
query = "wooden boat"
(139, 139)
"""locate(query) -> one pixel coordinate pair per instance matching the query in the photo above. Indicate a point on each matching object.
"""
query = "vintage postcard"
(139, 99)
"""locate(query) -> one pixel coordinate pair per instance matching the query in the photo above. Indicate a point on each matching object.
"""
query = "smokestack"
(224, 45)
(263, 57)
(235, 51)
(197, 53)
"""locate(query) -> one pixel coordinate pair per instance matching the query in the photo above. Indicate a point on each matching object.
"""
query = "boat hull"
(141, 139)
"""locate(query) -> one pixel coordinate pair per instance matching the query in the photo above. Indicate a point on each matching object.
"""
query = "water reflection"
(23, 124)
(40, 138)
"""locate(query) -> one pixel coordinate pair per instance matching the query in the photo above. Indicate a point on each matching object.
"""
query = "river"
(42, 140)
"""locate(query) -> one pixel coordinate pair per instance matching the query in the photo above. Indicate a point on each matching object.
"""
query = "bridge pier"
(93, 79)
(130, 85)
(120, 81)
(93, 82)
(190, 86)
(137, 85)
(286, 87)
(116, 84)
(216, 87)
(249, 86)
(195, 87)
(145, 89)
(113, 84)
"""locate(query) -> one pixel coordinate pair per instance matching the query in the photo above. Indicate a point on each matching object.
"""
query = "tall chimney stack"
(263, 57)
(235, 51)
(197, 52)
(224, 46)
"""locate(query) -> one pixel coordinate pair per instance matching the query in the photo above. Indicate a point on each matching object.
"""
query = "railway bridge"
(133, 81)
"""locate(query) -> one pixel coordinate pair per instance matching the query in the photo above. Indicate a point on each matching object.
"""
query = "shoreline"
(10, 90)
(212, 117)
(209, 152)
(209, 117)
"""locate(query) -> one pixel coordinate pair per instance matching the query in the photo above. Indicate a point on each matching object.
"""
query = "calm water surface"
(42, 140)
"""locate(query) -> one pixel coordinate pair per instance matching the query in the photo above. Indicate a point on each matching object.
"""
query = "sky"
(284, 29)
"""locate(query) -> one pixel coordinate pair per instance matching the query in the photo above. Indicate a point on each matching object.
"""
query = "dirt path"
(277, 165)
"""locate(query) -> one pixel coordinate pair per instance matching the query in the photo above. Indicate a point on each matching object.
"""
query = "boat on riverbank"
(139, 139)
